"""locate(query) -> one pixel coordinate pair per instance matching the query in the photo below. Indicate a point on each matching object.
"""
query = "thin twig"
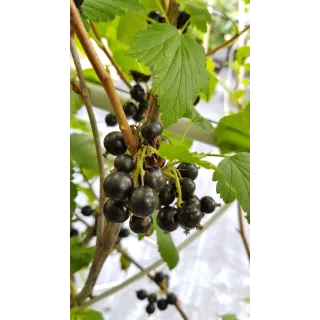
(108, 54)
(82, 220)
(243, 235)
(224, 44)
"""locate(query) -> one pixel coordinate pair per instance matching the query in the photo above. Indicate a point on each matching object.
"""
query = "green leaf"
(80, 257)
(246, 1)
(212, 82)
(107, 10)
(75, 102)
(234, 180)
(167, 248)
(79, 124)
(83, 151)
(247, 300)
(233, 132)
(175, 139)
(85, 314)
(91, 76)
(124, 263)
(88, 192)
(179, 68)
(242, 53)
(150, 4)
(85, 22)
(229, 317)
(73, 193)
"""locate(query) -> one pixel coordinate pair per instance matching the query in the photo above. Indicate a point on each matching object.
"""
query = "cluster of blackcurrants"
(86, 211)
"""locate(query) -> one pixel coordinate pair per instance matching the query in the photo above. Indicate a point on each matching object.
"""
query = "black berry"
(150, 308)
(115, 212)
(155, 15)
(114, 143)
(152, 297)
(118, 186)
(167, 195)
(165, 139)
(208, 204)
(159, 276)
(137, 92)
(140, 225)
(124, 233)
(87, 211)
(130, 109)
(141, 294)
(183, 17)
(111, 120)
(124, 163)
(143, 201)
(74, 233)
(189, 216)
(155, 179)
(151, 129)
(196, 101)
(167, 219)
(162, 304)
(194, 201)
(171, 298)
(143, 105)
(139, 116)
(187, 188)
(138, 76)
(188, 170)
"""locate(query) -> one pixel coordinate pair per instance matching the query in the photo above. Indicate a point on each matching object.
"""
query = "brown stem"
(108, 54)
(127, 256)
(224, 44)
(172, 14)
(103, 75)
(243, 236)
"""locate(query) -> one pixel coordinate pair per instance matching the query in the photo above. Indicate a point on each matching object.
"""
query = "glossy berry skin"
(167, 195)
(143, 201)
(124, 233)
(150, 308)
(143, 105)
(194, 201)
(171, 298)
(151, 129)
(188, 170)
(74, 233)
(124, 163)
(207, 204)
(155, 16)
(138, 226)
(142, 294)
(118, 186)
(139, 116)
(167, 219)
(187, 188)
(189, 216)
(130, 109)
(114, 143)
(152, 297)
(183, 17)
(115, 212)
(87, 211)
(111, 120)
(196, 101)
(159, 276)
(162, 304)
(155, 179)
(137, 92)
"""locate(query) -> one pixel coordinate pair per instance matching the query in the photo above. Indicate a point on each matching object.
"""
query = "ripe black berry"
(143, 201)
(118, 186)
(189, 216)
(183, 17)
(124, 233)
(152, 297)
(143, 105)
(142, 294)
(130, 109)
(188, 170)
(78, 3)
(165, 139)
(114, 143)
(115, 212)
(167, 195)
(139, 116)
(187, 188)
(155, 15)
(196, 101)
(74, 233)
(124, 163)
(155, 179)
(137, 92)
(111, 120)
(138, 76)
(87, 211)
(162, 304)
(151, 129)
(140, 225)
(208, 204)
(194, 201)
(171, 298)
(159, 276)
(167, 219)
(150, 308)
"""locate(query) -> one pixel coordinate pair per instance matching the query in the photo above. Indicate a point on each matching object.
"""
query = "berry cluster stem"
(176, 178)
(242, 233)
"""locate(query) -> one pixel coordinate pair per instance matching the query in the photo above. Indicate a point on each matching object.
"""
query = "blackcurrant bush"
(141, 294)
(115, 212)
(139, 116)
(124, 233)
(152, 297)
(143, 201)
(167, 195)
(188, 170)
(137, 92)
(78, 3)
(151, 129)
(114, 143)
(162, 304)
(171, 298)
(159, 276)
(150, 308)
(208, 204)
(194, 201)
(167, 219)
(183, 17)
(87, 211)
(138, 76)
(189, 216)
(143, 105)
(111, 120)
(140, 225)
(74, 233)
(155, 15)
(165, 139)
(155, 179)
(196, 101)
(118, 186)
(130, 109)
(124, 163)
(187, 188)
